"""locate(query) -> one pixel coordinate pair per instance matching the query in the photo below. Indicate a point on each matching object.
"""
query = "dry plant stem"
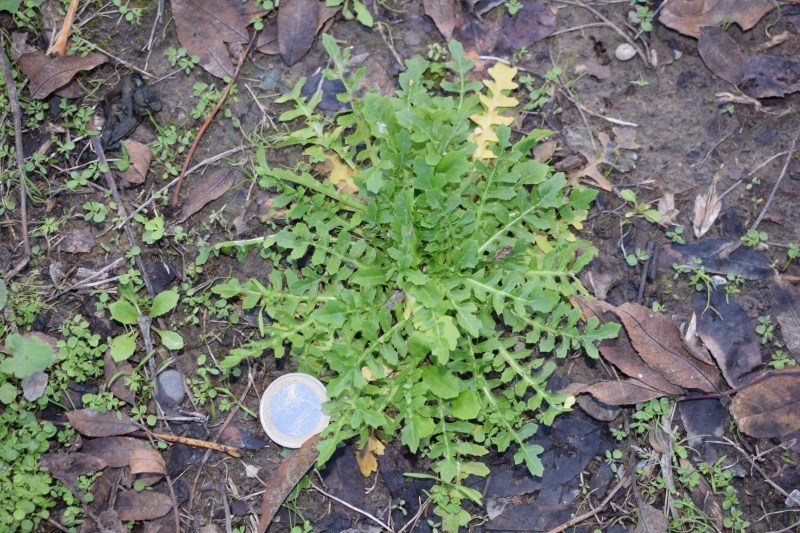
(793, 527)
(60, 46)
(351, 507)
(731, 392)
(168, 479)
(156, 22)
(204, 127)
(414, 519)
(224, 491)
(230, 450)
(87, 281)
(16, 113)
(596, 510)
(121, 61)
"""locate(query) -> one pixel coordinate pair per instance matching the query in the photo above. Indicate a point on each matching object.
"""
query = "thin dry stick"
(351, 507)
(16, 113)
(596, 510)
(207, 123)
(727, 442)
(414, 519)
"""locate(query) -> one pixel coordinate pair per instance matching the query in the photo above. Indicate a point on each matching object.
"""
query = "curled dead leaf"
(48, 74)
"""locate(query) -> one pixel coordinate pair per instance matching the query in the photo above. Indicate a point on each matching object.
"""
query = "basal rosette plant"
(430, 300)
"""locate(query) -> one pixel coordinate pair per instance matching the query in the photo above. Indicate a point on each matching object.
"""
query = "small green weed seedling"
(754, 237)
(765, 328)
(642, 15)
(779, 360)
(180, 57)
(641, 209)
(638, 256)
(676, 235)
(430, 286)
(128, 309)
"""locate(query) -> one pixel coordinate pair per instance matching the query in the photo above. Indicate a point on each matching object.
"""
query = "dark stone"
(170, 388)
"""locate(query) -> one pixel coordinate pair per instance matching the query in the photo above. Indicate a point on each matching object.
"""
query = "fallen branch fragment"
(16, 113)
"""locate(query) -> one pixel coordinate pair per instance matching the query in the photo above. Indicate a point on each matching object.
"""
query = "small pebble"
(625, 52)
(170, 388)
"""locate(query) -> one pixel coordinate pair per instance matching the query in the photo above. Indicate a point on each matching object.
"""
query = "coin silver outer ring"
(291, 441)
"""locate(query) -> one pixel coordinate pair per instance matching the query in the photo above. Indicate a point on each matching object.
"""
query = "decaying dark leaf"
(703, 418)
(208, 188)
(242, 438)
(48, 74)
(66, 467)
(297, 27)
(745, 261)
(769, 408)
(759, 76)
(657, 340)
(443, 15)
(268, 37)
(534, 22)
(284, 479)
(688, 16)
(91, 423)
(729, 335)
(786, 308)
(204, 27)
(145, 505)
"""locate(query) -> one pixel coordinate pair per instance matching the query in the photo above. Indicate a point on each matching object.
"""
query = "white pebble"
(625, 52)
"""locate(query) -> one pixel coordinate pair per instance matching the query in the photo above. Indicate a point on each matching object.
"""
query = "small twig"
(16, 113)
(156, 22)
(120, 60)
(204, 127)
(166, 437)
(414, 519)
(351, 507)
(596, 510)
(716, 145)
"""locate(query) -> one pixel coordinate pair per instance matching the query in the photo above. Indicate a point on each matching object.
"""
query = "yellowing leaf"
(496, 99)
(367, 462)
(339, 174)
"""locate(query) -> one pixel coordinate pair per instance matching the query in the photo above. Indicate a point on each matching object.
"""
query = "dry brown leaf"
(620, 351)
(651, 520)
(91, 423)
(666, 208)
(145, 505)
(721, 54)
(542, 152)
(534, 22)
(367, 462)
(443, 14)
(268, 37)
(66, 467)
(706, 210)
(139, 155)
(688, 16)
(126, 451)
(297, 27)
(208, 188)
(769, 408)
(48, 74)
(626, 392)
(204, 27)
(657, 340)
